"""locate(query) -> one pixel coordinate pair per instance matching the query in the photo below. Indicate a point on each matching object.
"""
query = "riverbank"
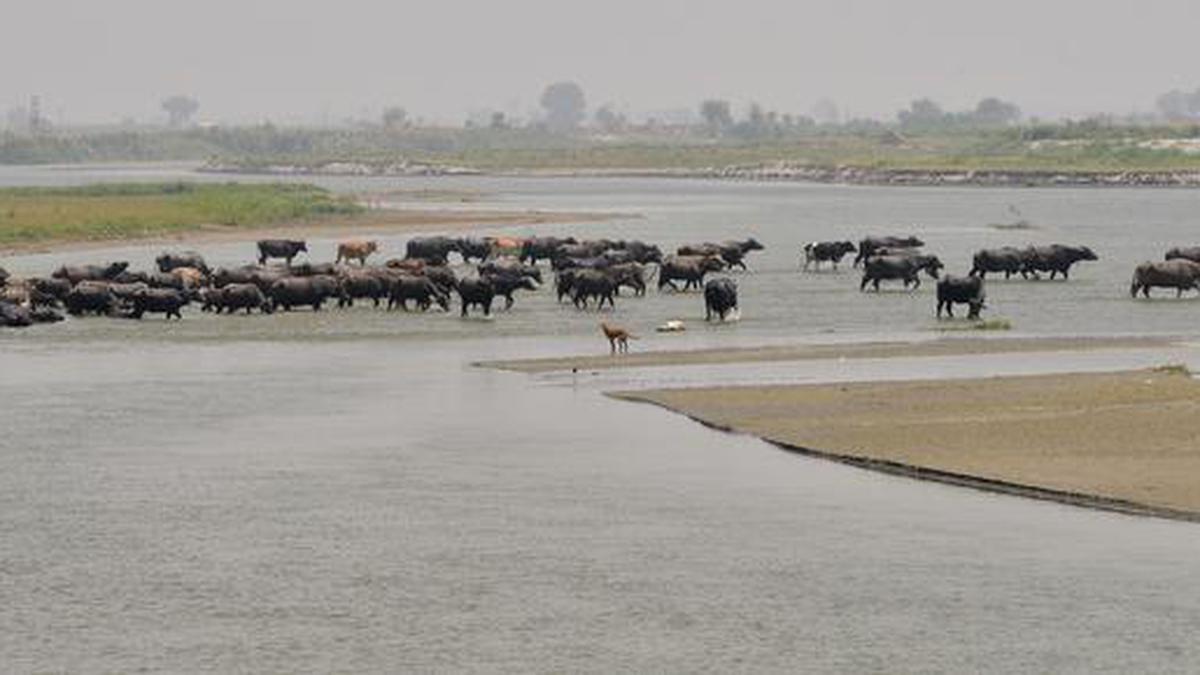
(1117, 441)
(965, 346)
(780, 171)
(48, 219)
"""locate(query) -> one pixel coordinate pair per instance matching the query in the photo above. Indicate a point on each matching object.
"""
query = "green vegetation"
(1088, 146)
(1173, 369)
(114, 211)
(987, 324)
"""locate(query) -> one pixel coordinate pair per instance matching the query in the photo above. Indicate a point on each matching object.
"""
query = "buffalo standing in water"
(421, 290)
(732, 252)
(1055, 259)
(598, 284)
(433, 250)
(826, 251)
(688, 269)
(280, 248)
(720, 298)
(1008, 259)
(233, 297)
(312, 291)
(539, 248)
(506, 283)
(962, 290)
(904, 268)
(1190, 253)
(168, 262)
(78, 273)
(868, 246)
(1180, 274)
(84, 298)
(166, 301)
(476, 291)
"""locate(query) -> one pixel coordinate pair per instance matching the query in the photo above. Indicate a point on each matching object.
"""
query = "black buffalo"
(905, 268)
(593, 284)
(286, 249)
(564, 280)
(1189, 253)
(422, 290)
(48, 291)
(688, 269)
(476, 291)
(962, 290)
(308, 269)
(1055, 259)
(543, 248)
(827, 251)
(433, 250)
(720, 298)
(511, 267)
(95, 298)
(295, 291)
(631, 275)
(233, 297)
(1007, 259)
(172, 261)
(506, 283)
(166, 301)
(3, 276)
(357, 285)
(78, 273)
(867, 246)
(13, 315)
(1179, 273)
(472, 248)
(731, 252)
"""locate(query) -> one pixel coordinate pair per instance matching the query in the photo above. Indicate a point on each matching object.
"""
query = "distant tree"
(1178, 106)
(180, 109)
(394, 117)
(564, 104)
(826, 112)
(922, 113)
(994, 112)
(498, 121)
(609, 121)
(717, 115)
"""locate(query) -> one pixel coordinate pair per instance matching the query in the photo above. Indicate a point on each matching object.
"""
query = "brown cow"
(356, 250)
(190, 277)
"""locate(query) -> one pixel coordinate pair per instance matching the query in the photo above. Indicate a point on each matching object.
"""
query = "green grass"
(128, 210)
(986, 324)
(1173, 369)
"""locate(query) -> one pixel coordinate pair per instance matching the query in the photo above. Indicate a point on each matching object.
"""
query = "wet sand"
(374, 222)
(1126, 441)
(803, 352)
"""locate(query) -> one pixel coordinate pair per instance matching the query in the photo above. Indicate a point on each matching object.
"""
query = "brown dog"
(618, 338)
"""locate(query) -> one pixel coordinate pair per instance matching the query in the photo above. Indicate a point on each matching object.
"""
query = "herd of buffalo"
(585, 271)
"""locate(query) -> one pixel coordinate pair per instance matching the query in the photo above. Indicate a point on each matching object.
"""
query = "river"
(344, 492)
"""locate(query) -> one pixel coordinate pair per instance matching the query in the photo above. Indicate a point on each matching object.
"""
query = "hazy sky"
(293, 60)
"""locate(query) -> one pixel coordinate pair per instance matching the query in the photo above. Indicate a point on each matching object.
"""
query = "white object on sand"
(672, 326)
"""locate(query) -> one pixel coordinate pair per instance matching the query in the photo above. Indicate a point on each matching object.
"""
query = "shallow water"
(343, 492)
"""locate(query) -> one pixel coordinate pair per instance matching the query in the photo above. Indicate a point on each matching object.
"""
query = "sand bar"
(803, 352)
(1127, 441)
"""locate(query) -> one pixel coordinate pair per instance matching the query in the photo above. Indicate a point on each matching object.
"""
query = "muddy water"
(343, 492)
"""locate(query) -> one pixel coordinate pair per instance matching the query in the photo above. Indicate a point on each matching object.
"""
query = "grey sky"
(297, 60)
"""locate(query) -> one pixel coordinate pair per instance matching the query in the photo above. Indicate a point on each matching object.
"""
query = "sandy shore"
(1126, 441)
(872, 350)
(374, 222)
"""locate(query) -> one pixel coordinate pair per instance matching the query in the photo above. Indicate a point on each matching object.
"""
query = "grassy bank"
(125, 211)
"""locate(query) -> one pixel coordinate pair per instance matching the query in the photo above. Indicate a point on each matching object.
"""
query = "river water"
(344, 492)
